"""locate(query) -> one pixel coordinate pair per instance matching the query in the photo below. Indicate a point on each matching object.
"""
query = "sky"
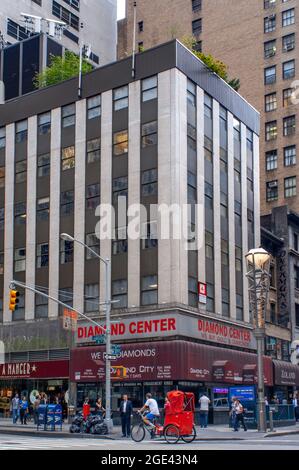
(121, 8)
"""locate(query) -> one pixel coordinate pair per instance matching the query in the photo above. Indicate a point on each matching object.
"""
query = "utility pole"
(134, 42)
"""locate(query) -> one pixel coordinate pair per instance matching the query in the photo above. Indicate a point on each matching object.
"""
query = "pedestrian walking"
(15, 408)
(35, 409)
(295, 402)
(24, 410)
(126, 410)
(204, 403)
(239, 412)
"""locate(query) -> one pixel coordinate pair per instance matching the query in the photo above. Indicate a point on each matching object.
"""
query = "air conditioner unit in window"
(272, 52)
(271, 17)
(273, 184)
(289, 47)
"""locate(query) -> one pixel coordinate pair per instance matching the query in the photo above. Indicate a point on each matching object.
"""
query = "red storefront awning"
(286, 373)
(250, 373)
(35, 370)
(167, 360)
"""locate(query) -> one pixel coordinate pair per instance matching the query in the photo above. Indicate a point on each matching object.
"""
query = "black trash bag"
(75, 429)
(100, 429)
(78, 420)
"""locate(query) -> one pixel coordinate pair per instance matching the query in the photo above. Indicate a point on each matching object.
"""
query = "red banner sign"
(168, 360)
(35, 370)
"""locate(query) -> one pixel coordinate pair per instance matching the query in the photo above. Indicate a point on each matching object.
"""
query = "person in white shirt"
(154, 412)
(204, 403)
(296, 406)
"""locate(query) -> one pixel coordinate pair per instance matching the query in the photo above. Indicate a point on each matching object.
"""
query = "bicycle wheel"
(171, 434)
(190, 437)
(138, 433)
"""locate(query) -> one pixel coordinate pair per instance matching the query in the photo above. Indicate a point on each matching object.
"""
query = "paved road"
(8, 442)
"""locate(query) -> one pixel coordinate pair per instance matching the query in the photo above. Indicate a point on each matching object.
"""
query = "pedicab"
(178, 421)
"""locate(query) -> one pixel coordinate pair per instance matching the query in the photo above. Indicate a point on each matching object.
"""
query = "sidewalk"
(213, 433)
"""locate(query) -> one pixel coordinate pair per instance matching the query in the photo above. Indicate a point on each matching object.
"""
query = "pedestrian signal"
(14, 300)
(119, 372)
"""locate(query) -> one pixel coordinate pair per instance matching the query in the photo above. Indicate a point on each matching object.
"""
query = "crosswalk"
(48, 444)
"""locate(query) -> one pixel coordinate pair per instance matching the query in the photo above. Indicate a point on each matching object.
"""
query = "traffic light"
(119, 372)
(13, 300)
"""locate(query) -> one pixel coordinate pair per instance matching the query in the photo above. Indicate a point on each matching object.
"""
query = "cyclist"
(152, 405)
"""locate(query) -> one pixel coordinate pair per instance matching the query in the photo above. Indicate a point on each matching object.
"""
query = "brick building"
(258, 40)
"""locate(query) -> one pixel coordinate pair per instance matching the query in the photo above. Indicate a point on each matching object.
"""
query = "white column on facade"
(31, 217)
(54, 231)
(134, 191)
(172, 185)
(79, 222)
(8, 219)
(256, 190)
(217, 216)
(201, 187)
(106, 177)
(244, 220)
(231, 216)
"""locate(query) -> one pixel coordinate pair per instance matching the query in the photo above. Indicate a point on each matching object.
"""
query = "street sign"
(70, 319)
(99, 339)
(116, 349)
(202, 293)
(110, 357)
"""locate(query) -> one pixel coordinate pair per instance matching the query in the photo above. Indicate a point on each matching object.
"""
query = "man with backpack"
(238, 411)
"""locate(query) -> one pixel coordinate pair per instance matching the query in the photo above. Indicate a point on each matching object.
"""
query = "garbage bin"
(51, 417)
(58, 417)
(42, 416)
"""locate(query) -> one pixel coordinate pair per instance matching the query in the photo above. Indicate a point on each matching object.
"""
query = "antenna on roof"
(134, 42)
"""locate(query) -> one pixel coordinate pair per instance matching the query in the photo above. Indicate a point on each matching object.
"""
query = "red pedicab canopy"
(180, 401)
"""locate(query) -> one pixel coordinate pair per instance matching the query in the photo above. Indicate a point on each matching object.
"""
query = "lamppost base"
(109, 424)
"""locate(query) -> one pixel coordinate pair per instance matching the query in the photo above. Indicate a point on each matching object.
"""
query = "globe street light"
(107, 262)
(258, 264)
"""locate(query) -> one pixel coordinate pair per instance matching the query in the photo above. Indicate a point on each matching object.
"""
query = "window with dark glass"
(66, 251)
(149, 235)
(271, 131)
(2, 218)
(192, 291)
(271, 160)
(91, 296)
(149, 134)
(2, 137)
(289, 125)
(20, 260)
(93, 242)
(288, 69)
(44, 123)
(94, 107)
(288, 17)
(290, 189)
(67, 203)
(92, 196)
(21, 131)
(290, 157)
(43, 208)
(20, 213)
(65, 15)
(149, 290)
(43, 165)
(121, 98)
(42, 255)
(120, 293)
(41, 306)
(21, 171)
(269, 4)
(150, 88)
(270, 75)
(270, 49)
(288, 42)
(149, 181)
(197, 27)
(2, 177)
(297, 315)
(1, 263)
(270, 102)
(93, 150)
(296, 276)
(68, 115)
(270, 23)
(119, 188)
(272, 190)
(196, 5)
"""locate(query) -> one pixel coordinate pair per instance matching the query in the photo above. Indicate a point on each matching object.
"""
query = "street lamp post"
(258, 263)
(107, 263)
